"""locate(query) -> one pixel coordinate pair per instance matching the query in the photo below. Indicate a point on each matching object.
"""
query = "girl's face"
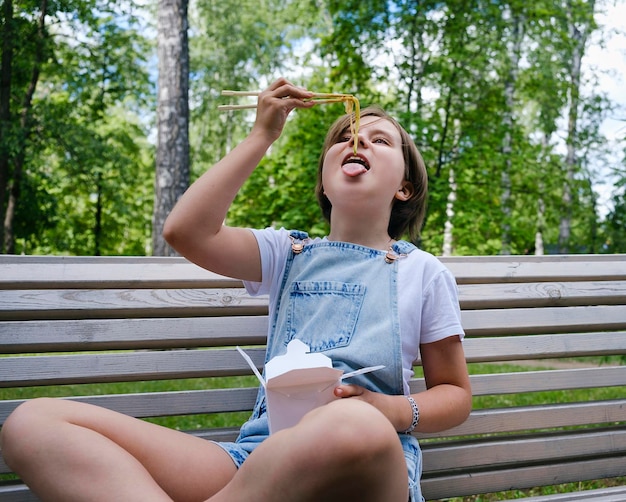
(375, 175)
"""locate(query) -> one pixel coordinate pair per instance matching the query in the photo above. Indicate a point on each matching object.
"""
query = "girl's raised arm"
(195, 227)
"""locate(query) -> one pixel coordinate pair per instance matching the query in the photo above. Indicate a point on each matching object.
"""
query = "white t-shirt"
(428, 302)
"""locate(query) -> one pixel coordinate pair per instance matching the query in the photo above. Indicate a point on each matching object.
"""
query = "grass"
(195, 422)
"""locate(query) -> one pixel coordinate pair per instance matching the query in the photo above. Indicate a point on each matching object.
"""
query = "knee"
(356, 430)
(18, 436)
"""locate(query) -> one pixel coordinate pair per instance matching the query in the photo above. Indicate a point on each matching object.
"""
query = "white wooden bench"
(68, 320)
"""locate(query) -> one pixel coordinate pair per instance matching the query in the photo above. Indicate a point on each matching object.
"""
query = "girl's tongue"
(353, 169)
(355, 166)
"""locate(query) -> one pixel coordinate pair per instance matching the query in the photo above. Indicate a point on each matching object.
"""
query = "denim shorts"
(413, 457)
(256, 432)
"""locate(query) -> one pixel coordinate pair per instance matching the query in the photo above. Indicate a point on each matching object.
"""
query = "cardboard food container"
(298, 382)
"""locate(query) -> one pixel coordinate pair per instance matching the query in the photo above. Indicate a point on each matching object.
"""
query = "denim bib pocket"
(341, 303)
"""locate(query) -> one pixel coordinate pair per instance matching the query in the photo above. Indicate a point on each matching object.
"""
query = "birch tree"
(172, 158)
(515, 29)
(579, 21)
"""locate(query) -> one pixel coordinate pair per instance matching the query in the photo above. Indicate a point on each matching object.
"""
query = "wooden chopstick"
(224, 108)
(252, 106)
(315, 94)
(318, 98)
(241, 93)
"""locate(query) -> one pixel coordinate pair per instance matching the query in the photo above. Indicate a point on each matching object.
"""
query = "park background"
(108, 111)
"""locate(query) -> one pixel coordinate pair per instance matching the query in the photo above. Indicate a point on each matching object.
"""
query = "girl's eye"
(344, 138)
(383, 141)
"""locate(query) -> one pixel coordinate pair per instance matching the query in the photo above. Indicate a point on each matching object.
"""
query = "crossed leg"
(69, 451)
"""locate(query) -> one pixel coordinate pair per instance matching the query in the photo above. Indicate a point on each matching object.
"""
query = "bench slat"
(17, 493)
(512, 348)
(611, 494)
(472, 296)
(527, 449)
(493, 322)
(124, 367)
(84, 272)
(540, 381)
(108, 303)
(515, 419)
(41, 271)
(159, 404)
(116, 334)
(521, 477)
(119, 334)
(554, 268)
(541, 294)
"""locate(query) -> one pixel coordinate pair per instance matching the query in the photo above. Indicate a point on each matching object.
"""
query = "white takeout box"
(298, 382)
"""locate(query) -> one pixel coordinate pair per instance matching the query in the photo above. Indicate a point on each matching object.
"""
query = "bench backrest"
(75, 320)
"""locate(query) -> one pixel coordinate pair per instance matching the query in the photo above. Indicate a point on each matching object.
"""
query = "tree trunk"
(97, 228)
(514, 49)
(578, 31)
(172, 158)
(570, 158)
(5, 106)
(23, 134)
(541, 205)
(448, 225)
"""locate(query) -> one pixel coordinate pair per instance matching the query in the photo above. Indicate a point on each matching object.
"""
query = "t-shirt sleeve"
(273, 249)
(441, 315)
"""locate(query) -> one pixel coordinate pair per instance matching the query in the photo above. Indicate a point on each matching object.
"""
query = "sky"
(611, 61)
(608, 60)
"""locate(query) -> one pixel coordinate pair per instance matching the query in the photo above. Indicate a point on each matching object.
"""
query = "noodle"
(353, 108)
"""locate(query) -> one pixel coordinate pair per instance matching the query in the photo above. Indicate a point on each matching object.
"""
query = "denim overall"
(341, 300)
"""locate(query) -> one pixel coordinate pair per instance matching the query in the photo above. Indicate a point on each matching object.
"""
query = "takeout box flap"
(298, 356)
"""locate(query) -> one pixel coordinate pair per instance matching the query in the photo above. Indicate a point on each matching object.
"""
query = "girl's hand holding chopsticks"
(274, 105)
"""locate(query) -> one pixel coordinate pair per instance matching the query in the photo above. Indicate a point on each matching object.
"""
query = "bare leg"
(346, 450)
(68, 451)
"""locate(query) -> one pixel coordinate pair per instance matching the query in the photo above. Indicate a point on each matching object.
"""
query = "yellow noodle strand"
(353, 108)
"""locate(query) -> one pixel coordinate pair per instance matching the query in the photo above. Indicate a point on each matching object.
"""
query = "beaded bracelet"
(416, 415)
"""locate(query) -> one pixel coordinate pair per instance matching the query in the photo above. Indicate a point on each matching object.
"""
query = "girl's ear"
(405, 192)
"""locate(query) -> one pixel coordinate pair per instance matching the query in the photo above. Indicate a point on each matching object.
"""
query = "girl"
(360, 296)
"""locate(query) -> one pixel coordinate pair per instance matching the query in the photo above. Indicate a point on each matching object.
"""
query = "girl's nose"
(362, 141)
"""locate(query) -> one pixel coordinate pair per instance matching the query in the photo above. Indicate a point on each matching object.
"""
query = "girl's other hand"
(395, 408)
(276, 103)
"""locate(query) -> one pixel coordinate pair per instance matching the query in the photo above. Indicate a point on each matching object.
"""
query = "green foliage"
(477, 109)
(98, 189)
(86, 186)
